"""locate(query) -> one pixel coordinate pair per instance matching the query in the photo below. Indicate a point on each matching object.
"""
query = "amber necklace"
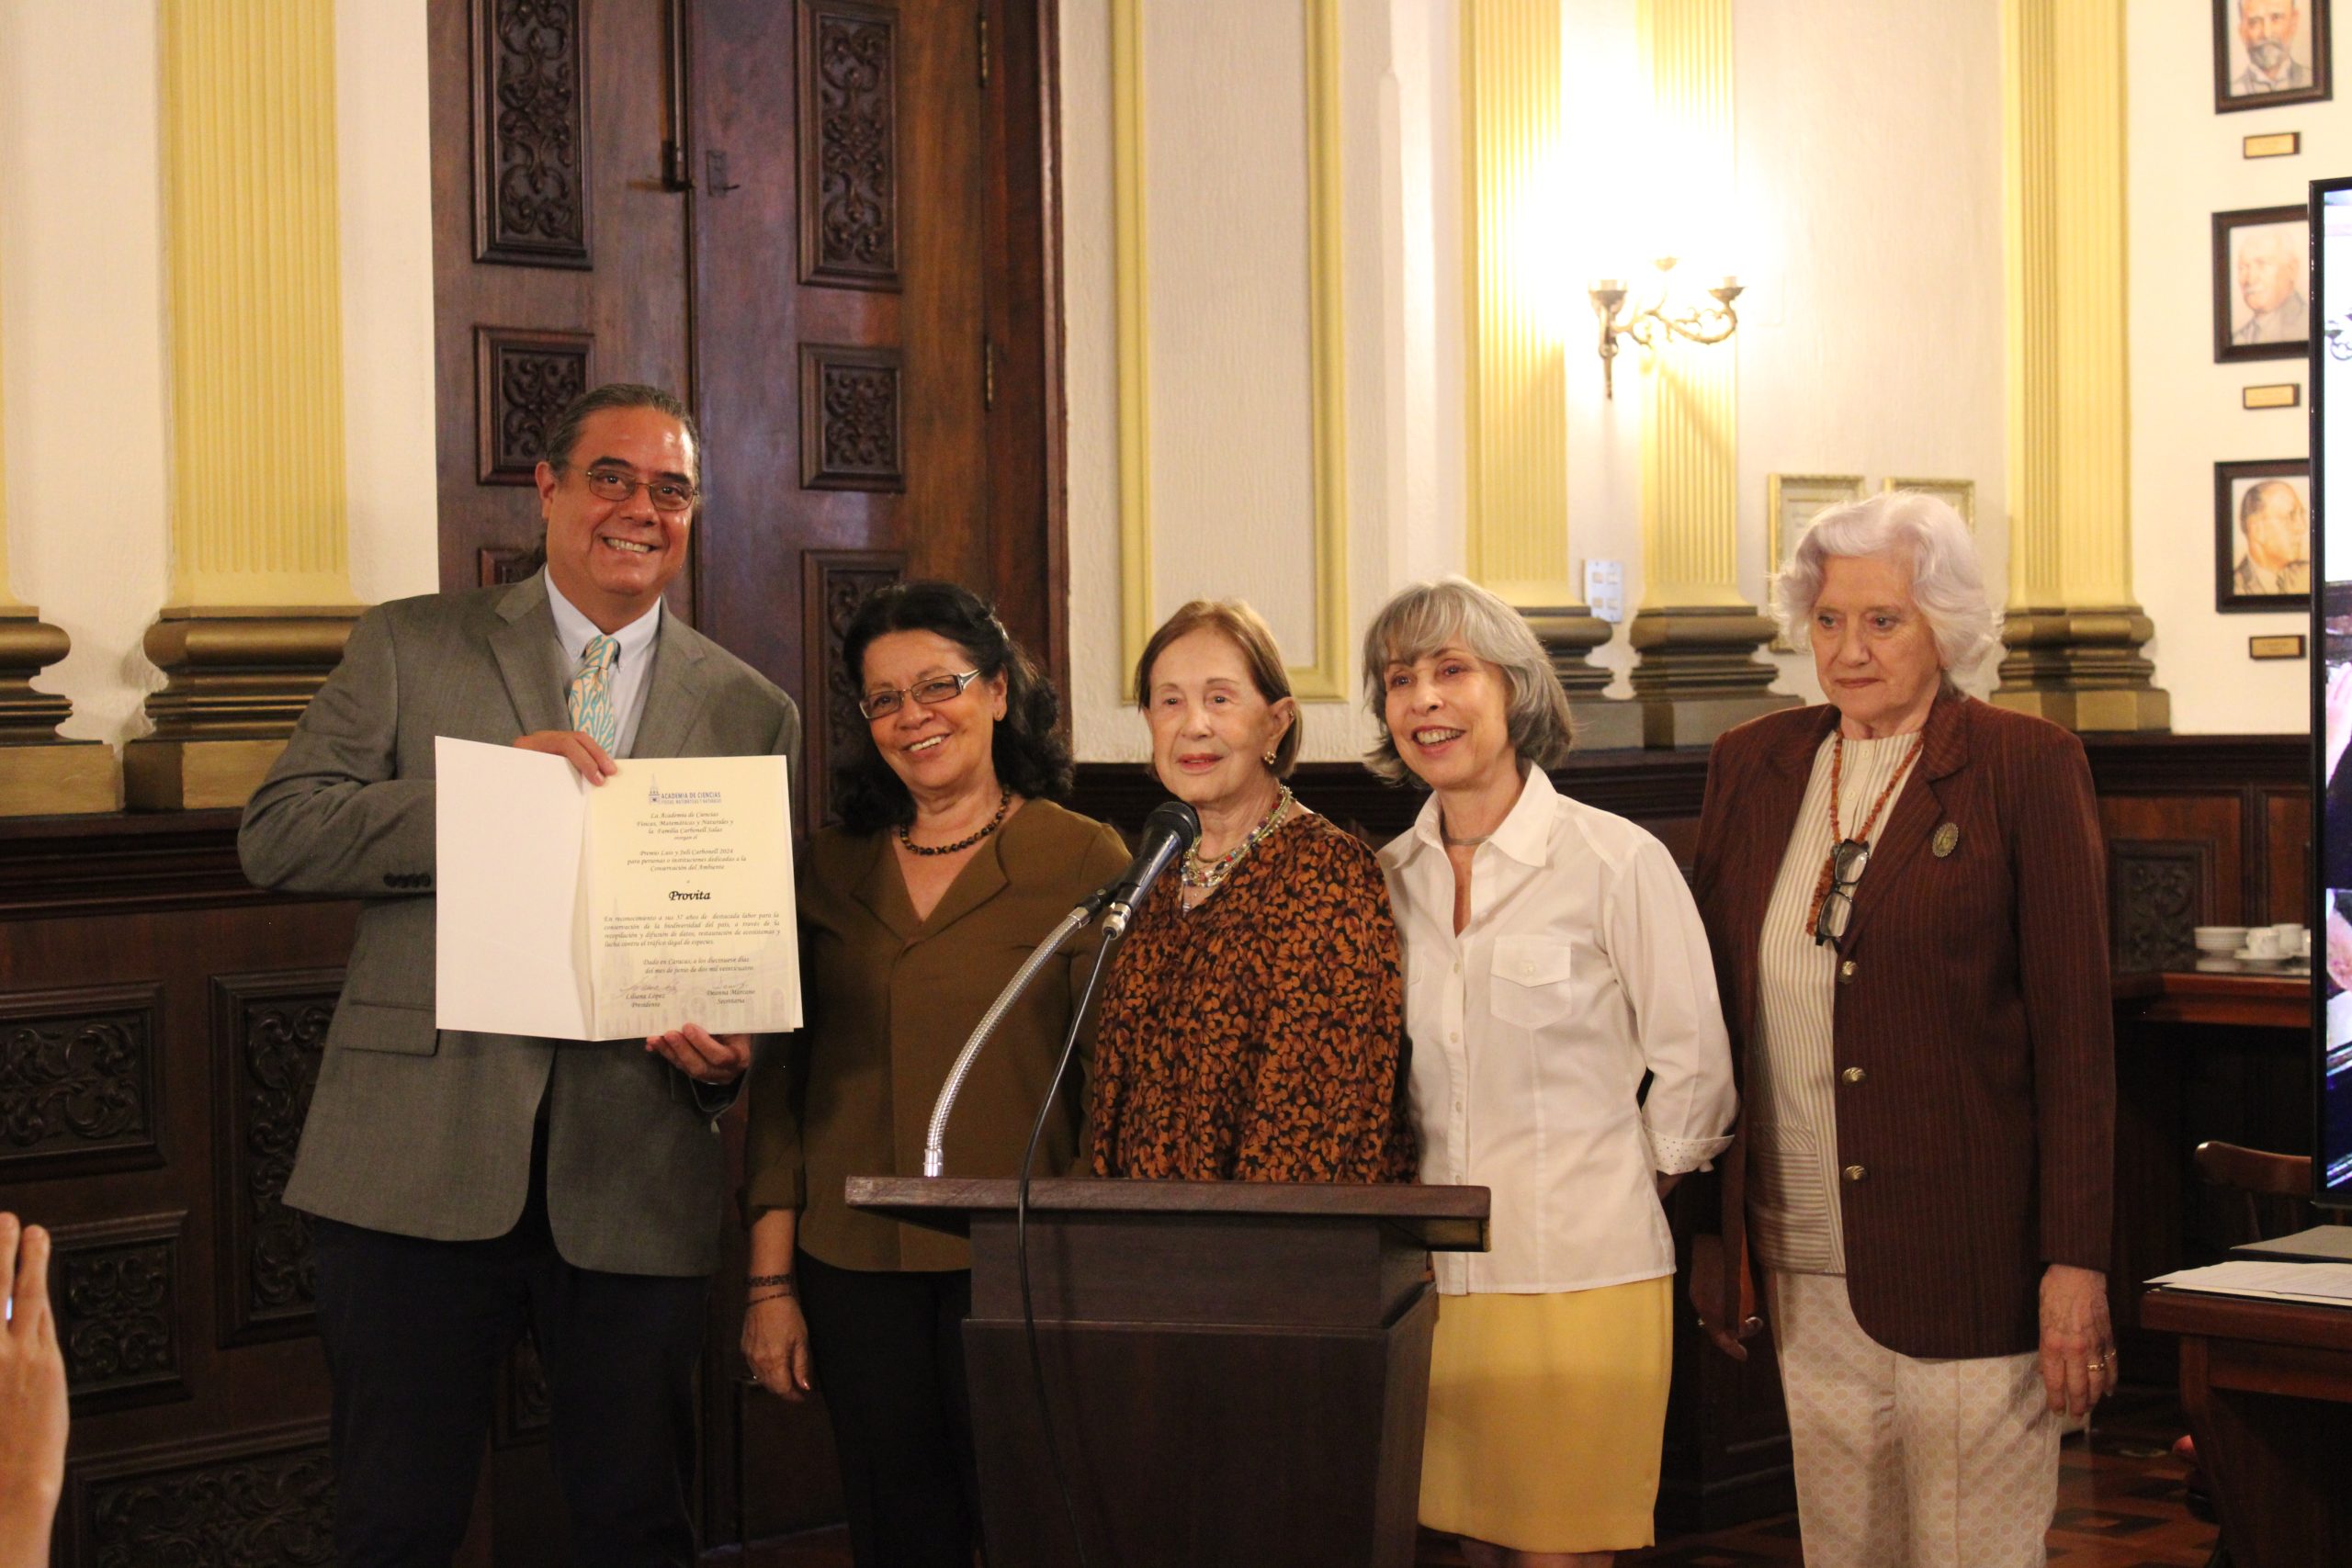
(1003, 804)
(1207, 879)
(1861, 834)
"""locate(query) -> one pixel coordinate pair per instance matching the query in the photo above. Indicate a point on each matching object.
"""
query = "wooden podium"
(1239, 1372)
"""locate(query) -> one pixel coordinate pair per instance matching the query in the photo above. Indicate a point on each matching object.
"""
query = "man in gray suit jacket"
(463, 1185)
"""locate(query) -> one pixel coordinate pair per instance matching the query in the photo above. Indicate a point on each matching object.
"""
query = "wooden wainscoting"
(160, 1028)
(2200, 831)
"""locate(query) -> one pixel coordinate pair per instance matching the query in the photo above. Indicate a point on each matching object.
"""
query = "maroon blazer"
(1972, 995)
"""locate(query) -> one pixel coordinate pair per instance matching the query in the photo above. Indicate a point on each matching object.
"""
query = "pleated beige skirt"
(1546, 1415)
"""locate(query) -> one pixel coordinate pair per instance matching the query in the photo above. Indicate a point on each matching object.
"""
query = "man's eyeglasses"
(667, 495)
(930, 694)
(1846, 859)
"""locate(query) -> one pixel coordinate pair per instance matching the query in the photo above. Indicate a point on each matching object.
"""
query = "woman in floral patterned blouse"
(1252, 1026)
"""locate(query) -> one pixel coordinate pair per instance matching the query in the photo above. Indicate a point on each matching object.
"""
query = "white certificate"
(577, 912)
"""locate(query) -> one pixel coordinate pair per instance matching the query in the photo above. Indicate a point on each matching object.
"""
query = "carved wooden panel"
(78, 1081)
(264, 1500)
(849, 418)
(848, 145)
(522, 380)
(521, 1413)
(494, 567)
(268, 1031)
(2158, 892)
(115, 1287)
(834, 583)
(531, 133)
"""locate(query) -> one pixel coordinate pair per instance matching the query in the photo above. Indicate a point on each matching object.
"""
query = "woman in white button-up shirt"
(1553, 958)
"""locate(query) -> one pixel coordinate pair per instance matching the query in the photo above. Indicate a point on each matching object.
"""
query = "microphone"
(1170, 829)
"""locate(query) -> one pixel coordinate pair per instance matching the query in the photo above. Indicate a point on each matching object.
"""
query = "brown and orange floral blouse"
(1261, 1036)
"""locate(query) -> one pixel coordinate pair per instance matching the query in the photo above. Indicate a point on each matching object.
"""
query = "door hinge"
(988, 371)
(984, 48)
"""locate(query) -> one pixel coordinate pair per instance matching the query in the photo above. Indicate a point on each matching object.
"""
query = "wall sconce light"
(1650, 324)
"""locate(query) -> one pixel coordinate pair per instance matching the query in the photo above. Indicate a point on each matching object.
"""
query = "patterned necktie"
(592, 693)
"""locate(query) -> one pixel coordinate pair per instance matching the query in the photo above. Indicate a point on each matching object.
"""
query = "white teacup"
(2291, 939)
(2220, 942)
(2262, 941)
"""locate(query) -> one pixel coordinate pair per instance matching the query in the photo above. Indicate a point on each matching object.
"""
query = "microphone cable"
(1021, 1245)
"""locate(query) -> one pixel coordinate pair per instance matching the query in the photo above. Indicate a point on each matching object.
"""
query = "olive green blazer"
(426, 1132)
(887, 1003)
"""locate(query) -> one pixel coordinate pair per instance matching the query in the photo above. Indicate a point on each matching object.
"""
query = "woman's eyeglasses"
(1846, 859)
(930, 694)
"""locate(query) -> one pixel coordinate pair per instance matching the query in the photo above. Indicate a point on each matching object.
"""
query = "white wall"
(2187, 164)
(82, 341)
(385, 174)
(1868, 226)
(83, 335)
(1870, 176)
(1225, 260)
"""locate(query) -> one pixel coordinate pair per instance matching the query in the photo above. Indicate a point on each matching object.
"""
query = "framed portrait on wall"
(2267, 53)
(2262, 534)
(2262, 306)
(1791, 502)
(1958, 494)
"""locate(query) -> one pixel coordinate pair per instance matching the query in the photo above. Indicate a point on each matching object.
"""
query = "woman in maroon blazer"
(1904, 892)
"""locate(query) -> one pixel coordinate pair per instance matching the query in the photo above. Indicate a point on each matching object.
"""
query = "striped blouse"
(1793, 1198)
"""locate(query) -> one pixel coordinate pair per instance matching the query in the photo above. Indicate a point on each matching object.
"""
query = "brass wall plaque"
(2282, 395)
(2285, 647)
(2278, 144)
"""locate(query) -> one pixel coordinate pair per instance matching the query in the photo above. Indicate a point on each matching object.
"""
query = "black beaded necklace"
(1003, 804)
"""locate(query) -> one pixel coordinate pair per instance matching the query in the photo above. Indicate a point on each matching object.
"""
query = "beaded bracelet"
(756, 1281)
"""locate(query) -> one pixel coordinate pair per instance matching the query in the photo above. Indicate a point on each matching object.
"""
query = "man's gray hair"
(1909, 528)
(563, 436)
(1454, 611)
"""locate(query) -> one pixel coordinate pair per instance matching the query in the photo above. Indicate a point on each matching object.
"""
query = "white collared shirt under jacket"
(1582, 967)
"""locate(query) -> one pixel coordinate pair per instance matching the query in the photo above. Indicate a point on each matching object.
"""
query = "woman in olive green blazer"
(952, 862)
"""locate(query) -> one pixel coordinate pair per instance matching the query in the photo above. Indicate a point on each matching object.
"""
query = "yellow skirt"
(1546, 1415)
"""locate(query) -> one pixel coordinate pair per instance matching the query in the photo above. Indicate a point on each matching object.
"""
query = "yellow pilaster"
(2074, 629)
(1516, 417)
(261, 588)
(1696, 634)
(41, 773)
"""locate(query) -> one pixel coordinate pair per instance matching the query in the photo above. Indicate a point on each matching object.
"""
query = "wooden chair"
(2273, 1193)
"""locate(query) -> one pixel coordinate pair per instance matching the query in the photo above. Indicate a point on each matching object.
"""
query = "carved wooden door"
(831, 222)
(843, 272)
(559, 248)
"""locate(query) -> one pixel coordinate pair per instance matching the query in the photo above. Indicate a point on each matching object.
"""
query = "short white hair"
(1909, 528)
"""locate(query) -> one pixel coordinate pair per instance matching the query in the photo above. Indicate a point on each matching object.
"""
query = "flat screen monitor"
(2330, 305)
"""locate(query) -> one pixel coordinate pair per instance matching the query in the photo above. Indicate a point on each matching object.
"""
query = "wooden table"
(2268, 1387)
(2254, 1001)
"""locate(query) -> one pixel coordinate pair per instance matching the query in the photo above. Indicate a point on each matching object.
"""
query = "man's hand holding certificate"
(660, 899)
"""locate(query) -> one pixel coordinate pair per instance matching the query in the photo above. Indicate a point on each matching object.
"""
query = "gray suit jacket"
(428, 1134)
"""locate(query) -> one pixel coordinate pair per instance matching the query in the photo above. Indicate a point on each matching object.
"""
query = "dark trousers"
(889, 1354)
(414, 1333)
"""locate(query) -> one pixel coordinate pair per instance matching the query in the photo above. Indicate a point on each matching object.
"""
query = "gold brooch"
(1947, 840)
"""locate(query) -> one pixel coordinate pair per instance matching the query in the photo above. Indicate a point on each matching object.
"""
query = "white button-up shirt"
(1583, 966)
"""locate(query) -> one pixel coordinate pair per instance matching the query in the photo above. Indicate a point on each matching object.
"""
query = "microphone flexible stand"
(935, 1154)
(1020, 1237)
(934, 1146)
